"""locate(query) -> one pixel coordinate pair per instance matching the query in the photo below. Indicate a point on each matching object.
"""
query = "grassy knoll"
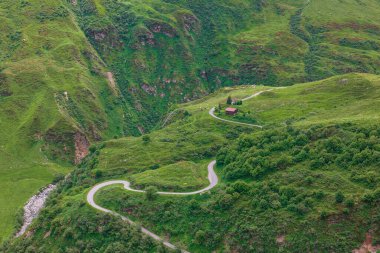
(342, 99)
(195, 136)
(183, 176)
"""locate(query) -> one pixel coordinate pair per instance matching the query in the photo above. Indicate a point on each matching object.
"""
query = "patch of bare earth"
(367, 246)
(280, 239)
(141, 129)
(81, 147)
(111, 82)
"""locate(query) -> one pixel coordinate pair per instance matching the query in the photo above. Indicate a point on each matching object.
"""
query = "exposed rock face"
(151, 90)
(190, 23)
(367, 246)
(81, 147)
(33, 207)
(280, 239)
(163, 28)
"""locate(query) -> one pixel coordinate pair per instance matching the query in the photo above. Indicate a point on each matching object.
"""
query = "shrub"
(309, 180)
(225, 201)
(154, 166)
(98, 174)
(229, 100)
(199, 237)
(368, 198)
(319, 194)
(146, 139)
(151, 193)
(349, 203)
(241, 187)
(58, 177)
(339, 197)
(323, 215)
(92, 149)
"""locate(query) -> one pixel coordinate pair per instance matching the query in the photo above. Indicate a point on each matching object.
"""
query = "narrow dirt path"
(212, 177)
(170, 115)
(212, 114)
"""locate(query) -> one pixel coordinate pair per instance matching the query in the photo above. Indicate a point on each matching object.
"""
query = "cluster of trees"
(231, 102)
(271, 188)
(255, 156)
(82, 232)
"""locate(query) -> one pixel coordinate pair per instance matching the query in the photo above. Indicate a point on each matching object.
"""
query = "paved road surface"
(212, 177)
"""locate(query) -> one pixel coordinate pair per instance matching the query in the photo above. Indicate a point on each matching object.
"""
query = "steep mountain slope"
(54, 100)
(164, 51)
(280, 187)
(81, 71)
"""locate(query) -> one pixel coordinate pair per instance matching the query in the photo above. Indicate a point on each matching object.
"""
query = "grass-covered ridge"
(280, 187)
(164, 51)
(342, 99)
(54, 97)
(183, 176)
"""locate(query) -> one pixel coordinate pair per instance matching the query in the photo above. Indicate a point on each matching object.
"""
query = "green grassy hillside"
(328, 101)
(281, 187)
(164, 51)
(184, 176)
(54, 100)
(78, 72)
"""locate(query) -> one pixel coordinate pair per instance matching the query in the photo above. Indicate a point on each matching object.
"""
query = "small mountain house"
(231, 111)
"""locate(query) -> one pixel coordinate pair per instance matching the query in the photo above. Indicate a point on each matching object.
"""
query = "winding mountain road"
(212, 177)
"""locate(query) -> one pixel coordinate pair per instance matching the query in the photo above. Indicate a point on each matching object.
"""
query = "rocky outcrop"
(151, 90)
(33, 207)
(367, 246)
(161, 27)
(190, 23)
(81, 147)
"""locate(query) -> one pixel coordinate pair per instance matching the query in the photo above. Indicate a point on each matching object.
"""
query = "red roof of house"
(230, 109)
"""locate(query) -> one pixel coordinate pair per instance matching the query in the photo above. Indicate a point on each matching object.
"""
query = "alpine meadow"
(189, 126)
